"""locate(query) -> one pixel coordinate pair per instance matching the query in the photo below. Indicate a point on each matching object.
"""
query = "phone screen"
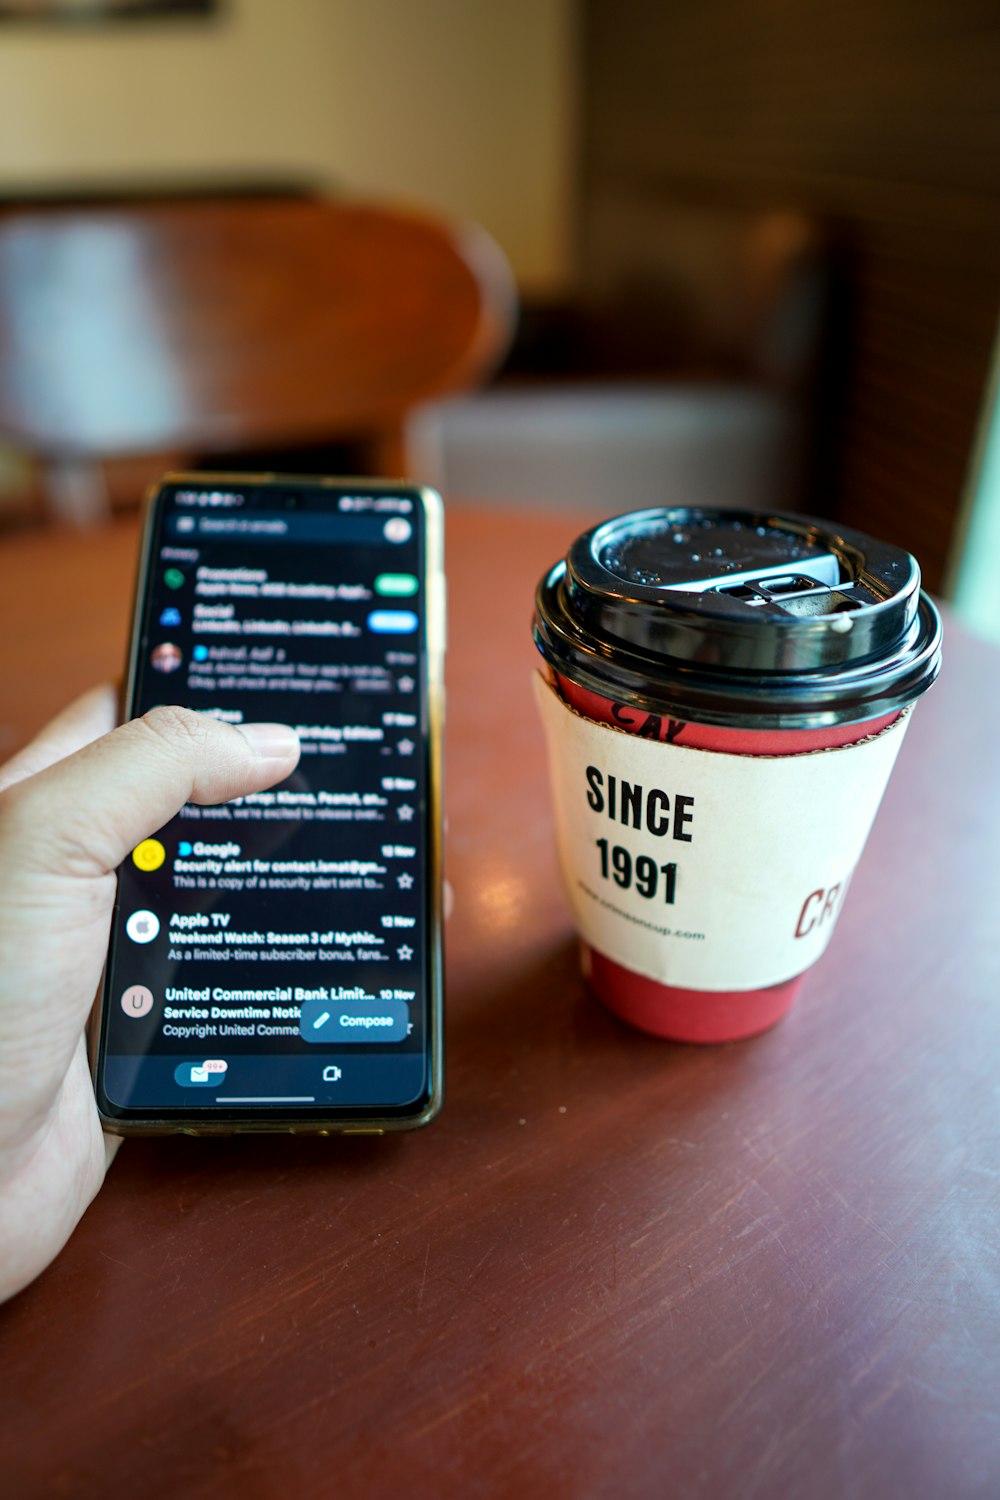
(278, 955)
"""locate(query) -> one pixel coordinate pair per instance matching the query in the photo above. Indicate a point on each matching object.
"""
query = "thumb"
(63, 832)
(84, 814)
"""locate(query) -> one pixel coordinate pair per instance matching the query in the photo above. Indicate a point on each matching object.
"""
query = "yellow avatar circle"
(149, 855)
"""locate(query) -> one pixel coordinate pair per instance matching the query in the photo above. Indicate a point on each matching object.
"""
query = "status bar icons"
(148, 856)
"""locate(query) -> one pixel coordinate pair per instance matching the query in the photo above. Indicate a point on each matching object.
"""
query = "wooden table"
(615, 1267)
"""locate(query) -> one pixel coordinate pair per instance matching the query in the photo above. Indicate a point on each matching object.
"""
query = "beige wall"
(462, 105)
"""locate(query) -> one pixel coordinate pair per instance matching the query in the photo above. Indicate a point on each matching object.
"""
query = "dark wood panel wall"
(882, 117)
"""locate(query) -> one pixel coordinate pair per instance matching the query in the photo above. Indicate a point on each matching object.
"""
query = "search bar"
(274, 526)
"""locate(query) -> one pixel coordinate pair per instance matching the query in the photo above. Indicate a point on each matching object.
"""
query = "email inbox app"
(277, 944)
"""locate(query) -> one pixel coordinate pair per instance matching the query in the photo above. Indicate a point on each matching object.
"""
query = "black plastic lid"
(740, 618)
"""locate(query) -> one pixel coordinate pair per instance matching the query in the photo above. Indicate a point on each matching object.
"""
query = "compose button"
(354, 1021)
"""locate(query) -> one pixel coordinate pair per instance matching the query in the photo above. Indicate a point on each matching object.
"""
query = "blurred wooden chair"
(214, 327)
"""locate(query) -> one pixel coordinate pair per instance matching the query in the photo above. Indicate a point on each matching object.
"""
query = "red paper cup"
(725, 632)
(691, 1015)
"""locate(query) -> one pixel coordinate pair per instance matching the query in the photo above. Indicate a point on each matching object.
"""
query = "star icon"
(405, 684)
(405, 747)
(404, 951)
(405, 812)
(404, 881)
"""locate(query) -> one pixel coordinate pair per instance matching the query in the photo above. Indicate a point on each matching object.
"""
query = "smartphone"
(275, 963)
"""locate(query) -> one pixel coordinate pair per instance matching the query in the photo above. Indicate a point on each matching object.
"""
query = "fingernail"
(270, 741)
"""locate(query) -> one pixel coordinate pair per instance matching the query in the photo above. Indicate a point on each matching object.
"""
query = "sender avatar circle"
(143, 926)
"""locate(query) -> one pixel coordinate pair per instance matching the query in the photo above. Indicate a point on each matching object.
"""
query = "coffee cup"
(724, 694)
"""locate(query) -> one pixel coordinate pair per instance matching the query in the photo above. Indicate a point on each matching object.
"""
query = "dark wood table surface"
(614, 1267)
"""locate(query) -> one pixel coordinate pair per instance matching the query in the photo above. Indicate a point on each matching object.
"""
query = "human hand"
(73, 804)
